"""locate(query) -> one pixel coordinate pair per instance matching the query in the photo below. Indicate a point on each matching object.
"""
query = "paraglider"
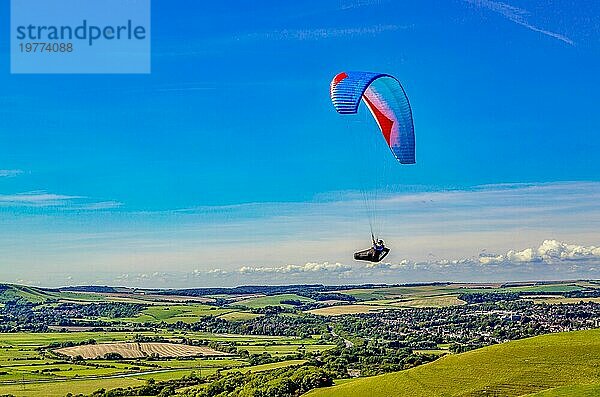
(374, 254)
(387, 101)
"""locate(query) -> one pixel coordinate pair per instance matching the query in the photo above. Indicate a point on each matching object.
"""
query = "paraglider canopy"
(385, 98)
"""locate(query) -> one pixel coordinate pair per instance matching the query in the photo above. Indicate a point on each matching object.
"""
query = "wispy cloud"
(36, 198)
(518, 16)
(351, 4)
(101, 205)
(10, 173)
(42, 199)
(323, 33)
(310, 267)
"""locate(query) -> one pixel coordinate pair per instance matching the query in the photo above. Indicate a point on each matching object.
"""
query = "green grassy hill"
(22, 293)
(567, 362)
(10, 292)
(272, 300)
(570, 391)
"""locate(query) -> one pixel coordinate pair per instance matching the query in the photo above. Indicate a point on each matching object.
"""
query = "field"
(60, 389)
(149, 336)
(174, 313)
(437, 290)
(138, 350)
(570, 391)
(282, 350)
(25, 370)
(444, 295)
(511, 369)
(273, 300)
(557, 300)
(238, 316)
(349, 309)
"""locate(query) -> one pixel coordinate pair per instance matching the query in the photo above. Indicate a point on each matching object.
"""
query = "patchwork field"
(349, 309)
(558, 300)
(539, 367)
(138, 350)
(61, 388)
(26, 369)
(174, 313)
(373, 294)
(238, 316)
(282, 350)
(273, 300)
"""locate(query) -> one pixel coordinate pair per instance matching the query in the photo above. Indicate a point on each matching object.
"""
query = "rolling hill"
(22, 293)
(562, 364)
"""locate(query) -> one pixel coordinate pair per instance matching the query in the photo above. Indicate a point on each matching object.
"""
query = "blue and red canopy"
(385, 98)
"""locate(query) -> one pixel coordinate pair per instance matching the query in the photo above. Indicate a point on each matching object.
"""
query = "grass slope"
(60, 389)
(569, 391)
(273, 300)
(173, 313)
(12, 292)
(510, 369)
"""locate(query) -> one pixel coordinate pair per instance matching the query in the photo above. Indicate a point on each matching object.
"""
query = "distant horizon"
(365, 285)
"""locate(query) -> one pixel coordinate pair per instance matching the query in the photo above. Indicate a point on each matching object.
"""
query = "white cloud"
(38, 198)
(550, 251)
(102, 205)
(9, 173)
(348, 5)
(518, 16)
(557, 258)
(324, 33)
(307, 268)
(527, 255)
(42, 199)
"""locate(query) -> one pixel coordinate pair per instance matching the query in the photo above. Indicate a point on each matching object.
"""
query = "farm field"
(511, 369)
(166, 337)
(430, 301)
(340, 310)
(138, 350)
(273, 300)
(25, 370)
(283, 350)
(61, 388)
(267, 367)
(174, 313)
(558, 300)
(238, 316)
(391, 293)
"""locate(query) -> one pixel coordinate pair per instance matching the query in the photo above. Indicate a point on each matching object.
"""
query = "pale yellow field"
(139, 350)
(239, 316)
(562, 300)
(432, 301)
(348, 309)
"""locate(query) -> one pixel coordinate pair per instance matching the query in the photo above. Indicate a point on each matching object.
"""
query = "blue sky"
(101, 172)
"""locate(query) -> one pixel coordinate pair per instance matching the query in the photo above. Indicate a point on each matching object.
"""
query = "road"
(346, 341)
